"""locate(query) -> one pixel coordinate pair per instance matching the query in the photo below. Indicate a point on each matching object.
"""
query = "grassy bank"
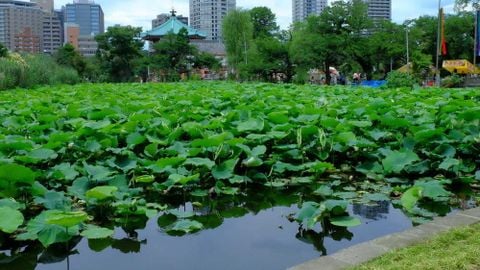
(28, 71)
(456, 249)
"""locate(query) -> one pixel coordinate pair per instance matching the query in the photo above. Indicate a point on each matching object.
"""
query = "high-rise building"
(164, 17)
(45, 5)
(89, 19)
(207, 16)
(301, 9)
(379, 9)
(88, 15)
(21, 26)
(52, 33)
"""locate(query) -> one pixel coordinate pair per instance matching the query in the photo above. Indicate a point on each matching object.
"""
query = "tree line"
(257, 49)
(342, 36)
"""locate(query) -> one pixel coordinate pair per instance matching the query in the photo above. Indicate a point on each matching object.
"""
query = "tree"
(463, 4)
(237, 30)
(117, 50)
(69, 56)
(388, 44)
(206, 60)
(174, 55)
(3, 51)
(459, 35)
(337, 36)
(264, 22)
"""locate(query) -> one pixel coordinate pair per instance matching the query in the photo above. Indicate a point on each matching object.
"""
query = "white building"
(207, 16)
(379, 9)
(301, 9)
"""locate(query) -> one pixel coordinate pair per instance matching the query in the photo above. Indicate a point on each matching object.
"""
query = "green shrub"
(11, 73)
(34, 70)
(453, 81)
(396, 79)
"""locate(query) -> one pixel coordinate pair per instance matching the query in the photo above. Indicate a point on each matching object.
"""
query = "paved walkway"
(367, 251)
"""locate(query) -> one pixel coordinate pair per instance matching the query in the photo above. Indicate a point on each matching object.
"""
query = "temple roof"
(172, 25)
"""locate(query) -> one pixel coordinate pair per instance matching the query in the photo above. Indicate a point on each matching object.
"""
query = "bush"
(453, 81)
(33, 70)
(396, 79)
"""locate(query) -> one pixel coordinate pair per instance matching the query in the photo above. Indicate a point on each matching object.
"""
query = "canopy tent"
(460, 66)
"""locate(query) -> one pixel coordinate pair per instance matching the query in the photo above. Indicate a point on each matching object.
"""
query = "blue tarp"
(373, 84)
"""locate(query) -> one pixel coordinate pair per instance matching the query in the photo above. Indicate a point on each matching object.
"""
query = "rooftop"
(173, 25)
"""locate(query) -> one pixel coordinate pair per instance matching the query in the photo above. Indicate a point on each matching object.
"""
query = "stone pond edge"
(369, 250)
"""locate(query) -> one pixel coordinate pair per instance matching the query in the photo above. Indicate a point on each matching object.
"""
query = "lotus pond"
(224, 175)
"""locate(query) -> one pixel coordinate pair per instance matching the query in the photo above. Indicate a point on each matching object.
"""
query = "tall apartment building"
(164, 17)
(21, 26)
(379, 9)
(89, 18)
(45, 5)
(301, 9)
(88, 15)
(207, 16)
(52, 33)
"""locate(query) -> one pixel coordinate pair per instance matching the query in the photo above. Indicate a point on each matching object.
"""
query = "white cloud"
(141, 12)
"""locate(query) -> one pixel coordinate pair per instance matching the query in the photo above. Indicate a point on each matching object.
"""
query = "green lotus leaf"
(10, 219)
(101, 193)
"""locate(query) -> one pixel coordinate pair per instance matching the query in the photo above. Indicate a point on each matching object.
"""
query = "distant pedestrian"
(356, 78)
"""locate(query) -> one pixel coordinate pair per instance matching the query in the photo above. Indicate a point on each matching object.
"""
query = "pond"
(240, 233)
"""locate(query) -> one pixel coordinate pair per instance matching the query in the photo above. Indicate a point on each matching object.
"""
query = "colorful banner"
(443, 39)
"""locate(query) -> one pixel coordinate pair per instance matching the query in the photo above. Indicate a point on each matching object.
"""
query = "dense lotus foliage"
(80, 160)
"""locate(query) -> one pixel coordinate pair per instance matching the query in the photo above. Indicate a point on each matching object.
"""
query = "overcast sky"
(141, 12)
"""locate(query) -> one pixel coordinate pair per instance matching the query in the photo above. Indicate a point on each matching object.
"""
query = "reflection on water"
(251, 231)
(376, 211)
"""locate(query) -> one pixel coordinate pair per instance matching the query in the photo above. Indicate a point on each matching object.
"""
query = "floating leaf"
(186, 226)
(10, 219)
(346, 221)
(95, 232)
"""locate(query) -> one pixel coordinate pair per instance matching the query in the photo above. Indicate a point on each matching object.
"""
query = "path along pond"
(255, 230)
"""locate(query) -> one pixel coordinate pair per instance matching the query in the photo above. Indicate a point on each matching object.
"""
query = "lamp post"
(408, 46)
(437, 71)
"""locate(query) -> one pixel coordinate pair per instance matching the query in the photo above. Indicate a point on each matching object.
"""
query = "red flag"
(444, 41)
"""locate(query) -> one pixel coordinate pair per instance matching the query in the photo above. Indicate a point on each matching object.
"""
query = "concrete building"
(71, 34)
(45, 5)
(379, 9)
(301, 9)
(88, 15)
(164, 17)
(52, 33)
(89, 20)
(21, 26)
(207, 16)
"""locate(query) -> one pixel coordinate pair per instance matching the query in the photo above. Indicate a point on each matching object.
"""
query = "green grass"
(456, 249)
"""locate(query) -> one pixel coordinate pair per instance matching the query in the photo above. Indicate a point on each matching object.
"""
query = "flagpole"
(437, 71)
(475, 42)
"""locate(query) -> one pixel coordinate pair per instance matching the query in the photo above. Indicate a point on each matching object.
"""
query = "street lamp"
(408, 50)
(407, 39)
(437, 71)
